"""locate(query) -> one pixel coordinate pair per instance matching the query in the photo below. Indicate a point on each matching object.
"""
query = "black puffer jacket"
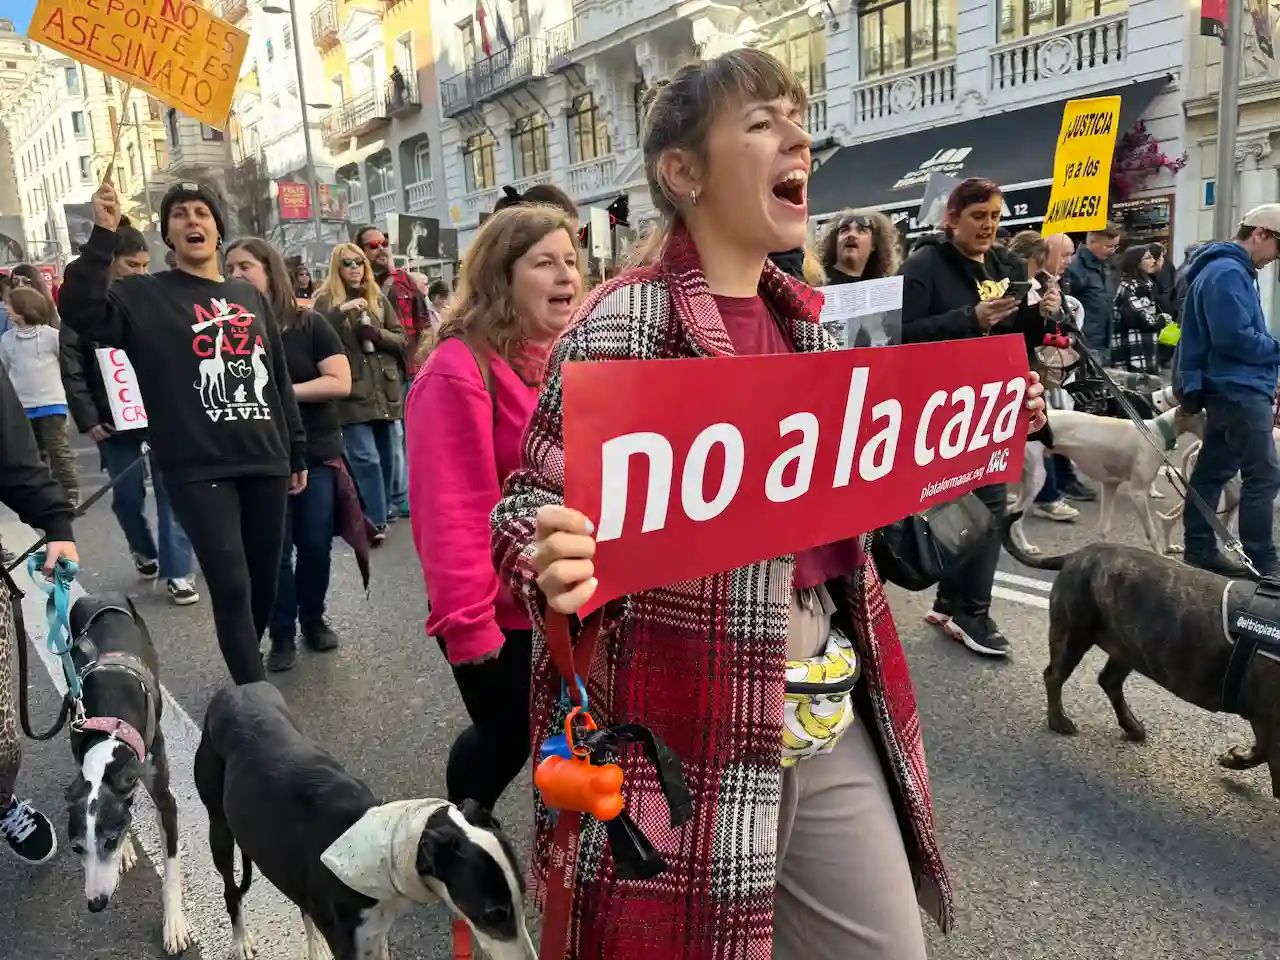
(941, 289)
(26, 485)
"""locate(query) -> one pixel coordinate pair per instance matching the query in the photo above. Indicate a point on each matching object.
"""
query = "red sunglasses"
(376, 244)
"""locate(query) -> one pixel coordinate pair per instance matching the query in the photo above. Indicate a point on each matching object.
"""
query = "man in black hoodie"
(953, 288)
(222, 418)
(172, 560)
(27, 488)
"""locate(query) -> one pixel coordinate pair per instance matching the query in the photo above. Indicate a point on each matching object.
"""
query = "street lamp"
(312, 185)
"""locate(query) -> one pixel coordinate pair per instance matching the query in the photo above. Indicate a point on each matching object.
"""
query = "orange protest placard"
(176, 50)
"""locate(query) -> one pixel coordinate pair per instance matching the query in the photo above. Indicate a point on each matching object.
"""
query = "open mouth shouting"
(195, 237)
(792, 190)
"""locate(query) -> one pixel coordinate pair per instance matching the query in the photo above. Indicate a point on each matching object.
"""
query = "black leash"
(20, 625)
(1184, 489)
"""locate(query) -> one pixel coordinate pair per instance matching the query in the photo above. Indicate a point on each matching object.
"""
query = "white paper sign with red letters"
(122, 390)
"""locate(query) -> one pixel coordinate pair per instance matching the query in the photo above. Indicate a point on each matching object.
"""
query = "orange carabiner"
(577, 749)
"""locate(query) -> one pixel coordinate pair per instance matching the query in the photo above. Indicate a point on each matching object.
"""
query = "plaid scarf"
(701, 663)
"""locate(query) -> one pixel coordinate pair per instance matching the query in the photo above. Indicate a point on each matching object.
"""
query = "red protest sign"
(692, 467)
(295, 200)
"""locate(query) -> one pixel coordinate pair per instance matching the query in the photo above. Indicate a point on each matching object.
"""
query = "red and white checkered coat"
(701, 664)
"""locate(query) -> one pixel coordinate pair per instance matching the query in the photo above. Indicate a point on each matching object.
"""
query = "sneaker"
(283, 655)
(1075, 490)
(403, 511)
(29, 832)
(1058, 510)
(182, 591)
(320, 637)
(940, 615)
(979, 633)
(393, 516)
(379, 535)
(147, 569)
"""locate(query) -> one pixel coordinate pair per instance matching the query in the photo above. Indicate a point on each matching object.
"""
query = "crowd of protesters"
(374, 394)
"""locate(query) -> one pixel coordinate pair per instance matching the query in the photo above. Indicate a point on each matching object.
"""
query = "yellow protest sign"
(176, 50)
(1082, 166)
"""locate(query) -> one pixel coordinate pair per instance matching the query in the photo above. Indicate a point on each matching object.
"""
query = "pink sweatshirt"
(458, 456)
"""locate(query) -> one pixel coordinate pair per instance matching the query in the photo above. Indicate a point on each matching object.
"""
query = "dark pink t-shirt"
(753, 331)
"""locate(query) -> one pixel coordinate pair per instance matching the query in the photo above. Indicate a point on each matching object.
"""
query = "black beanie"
(191, 191)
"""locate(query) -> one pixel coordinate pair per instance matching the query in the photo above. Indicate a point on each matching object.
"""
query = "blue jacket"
(1086, 280)
(1225, 344)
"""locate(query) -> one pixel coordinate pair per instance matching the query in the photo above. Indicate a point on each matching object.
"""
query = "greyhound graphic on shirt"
(233, 372)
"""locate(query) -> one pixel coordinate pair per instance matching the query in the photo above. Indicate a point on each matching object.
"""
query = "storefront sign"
(123, 395)
(1213, 19)
(295, 200)
(1082, 166)
(176, 50)
(333, 201)
(692, 467)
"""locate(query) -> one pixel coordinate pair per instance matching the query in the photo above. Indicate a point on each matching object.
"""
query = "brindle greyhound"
(1162, 618)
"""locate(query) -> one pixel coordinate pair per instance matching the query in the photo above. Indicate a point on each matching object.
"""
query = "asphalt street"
(1060, 848)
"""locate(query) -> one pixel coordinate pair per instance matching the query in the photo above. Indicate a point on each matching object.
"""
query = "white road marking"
(1016, 580)
(1017, 596)
(275, 922)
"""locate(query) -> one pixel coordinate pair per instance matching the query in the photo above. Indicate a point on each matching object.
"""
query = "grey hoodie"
(30, 356)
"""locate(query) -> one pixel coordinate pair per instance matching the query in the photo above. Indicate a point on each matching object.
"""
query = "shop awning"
(1010, 148)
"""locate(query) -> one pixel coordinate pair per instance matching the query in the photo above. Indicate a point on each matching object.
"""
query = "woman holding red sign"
(807, 840)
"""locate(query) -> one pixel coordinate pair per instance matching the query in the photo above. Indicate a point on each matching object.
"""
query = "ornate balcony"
(420, 196)
(1049, 57)
(324, 25)
(356, 116)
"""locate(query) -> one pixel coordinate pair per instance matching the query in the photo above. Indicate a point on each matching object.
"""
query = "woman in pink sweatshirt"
(465, 420)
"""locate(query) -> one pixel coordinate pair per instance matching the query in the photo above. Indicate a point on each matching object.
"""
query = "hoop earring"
(693, 197)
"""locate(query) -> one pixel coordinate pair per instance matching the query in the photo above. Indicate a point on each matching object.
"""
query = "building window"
(801, 43)
(11, 64)
(153, 108)
(422, 161)
(171, 126)
(588, 131)
(478, 167)
(73, 80)
(106, 84)
(288, 37)
(209, 134)
(404, 54)
(468, 31)
(86, 169)
(132, 156)
(530, 149)
(899, 34)
(520, 18)
(161, 161)
(382, 174)
(1026, 18)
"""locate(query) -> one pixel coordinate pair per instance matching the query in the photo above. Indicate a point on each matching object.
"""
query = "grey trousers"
(10, 741)
(845, 890)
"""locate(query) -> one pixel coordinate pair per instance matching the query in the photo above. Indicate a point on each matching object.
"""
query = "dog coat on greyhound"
(377, 855)
(1251, 619)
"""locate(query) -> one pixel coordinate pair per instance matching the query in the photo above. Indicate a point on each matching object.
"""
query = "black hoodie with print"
(941, 289)
(209, 363)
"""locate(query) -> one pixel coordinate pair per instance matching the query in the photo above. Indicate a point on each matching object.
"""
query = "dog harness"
(92, 660)
(1251, 621)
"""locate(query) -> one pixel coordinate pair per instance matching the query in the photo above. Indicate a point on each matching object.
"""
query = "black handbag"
(919, 550)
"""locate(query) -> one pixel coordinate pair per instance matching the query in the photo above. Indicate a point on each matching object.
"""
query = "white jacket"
(30, 356)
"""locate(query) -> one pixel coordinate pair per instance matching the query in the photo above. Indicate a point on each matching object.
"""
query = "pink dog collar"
(118, 729)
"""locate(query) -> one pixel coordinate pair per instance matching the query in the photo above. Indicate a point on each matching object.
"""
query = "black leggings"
(489, 754)
(236, 528)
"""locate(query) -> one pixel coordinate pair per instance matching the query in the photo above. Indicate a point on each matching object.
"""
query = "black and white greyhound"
(118, 745)
(350, 863)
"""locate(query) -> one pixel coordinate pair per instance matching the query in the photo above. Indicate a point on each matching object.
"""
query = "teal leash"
(58, 613)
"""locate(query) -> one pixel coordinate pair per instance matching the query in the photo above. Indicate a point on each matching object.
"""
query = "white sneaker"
(1059, 510)
(182, 591)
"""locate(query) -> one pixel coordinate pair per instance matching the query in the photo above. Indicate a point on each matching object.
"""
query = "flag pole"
(115, 137)
(1224, 191)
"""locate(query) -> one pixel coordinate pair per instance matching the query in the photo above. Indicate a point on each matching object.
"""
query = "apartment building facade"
(1257, 152)
(18, 60)
(886, 80)
(69, 125)
(378, 62)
